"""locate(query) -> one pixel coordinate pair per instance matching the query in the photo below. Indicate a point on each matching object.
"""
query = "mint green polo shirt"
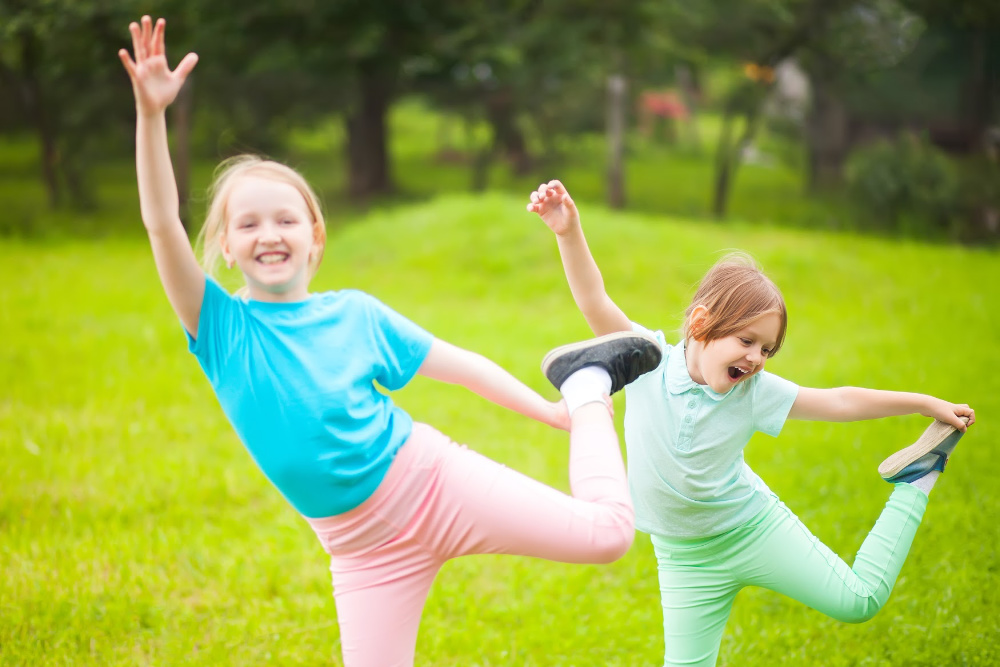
(685, 446)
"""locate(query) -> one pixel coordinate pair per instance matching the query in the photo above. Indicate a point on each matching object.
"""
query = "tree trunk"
(367, 136)
(689, 94)
(723, 164)
(37, 113)
(827, 138)
(508, 140)
(616, 141)
(729, 157)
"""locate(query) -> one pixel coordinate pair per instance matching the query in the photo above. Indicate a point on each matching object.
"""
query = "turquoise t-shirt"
(297, 382)
(685, 446)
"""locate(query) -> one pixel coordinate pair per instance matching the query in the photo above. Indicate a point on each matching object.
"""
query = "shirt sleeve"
(773, 397)
(658, 335)
(218, 326)
(401, 345)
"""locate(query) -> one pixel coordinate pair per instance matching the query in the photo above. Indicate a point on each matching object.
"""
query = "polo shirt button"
(696, 391)
(688, 419)
(691, 404)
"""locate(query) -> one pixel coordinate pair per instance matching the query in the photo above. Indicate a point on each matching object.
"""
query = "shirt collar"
(677, 378)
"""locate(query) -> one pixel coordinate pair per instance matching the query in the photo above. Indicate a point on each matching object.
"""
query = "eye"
(745, 341)
(288, 221)
(766, 352)
(247, 224)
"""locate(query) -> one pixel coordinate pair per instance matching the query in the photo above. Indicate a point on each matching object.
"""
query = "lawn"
(134, 530)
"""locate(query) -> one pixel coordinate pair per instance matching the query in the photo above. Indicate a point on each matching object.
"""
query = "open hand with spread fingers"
(154, 85)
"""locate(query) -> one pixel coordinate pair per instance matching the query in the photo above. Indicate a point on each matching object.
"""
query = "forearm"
(858, 403)
(158, 199)
(587, 284)
(493, 383)
(455, 365)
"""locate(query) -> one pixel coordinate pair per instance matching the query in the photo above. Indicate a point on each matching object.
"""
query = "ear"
(697, 321)
(224, 247)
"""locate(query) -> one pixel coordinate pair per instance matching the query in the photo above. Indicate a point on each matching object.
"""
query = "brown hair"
(736, 293)
(227, 174)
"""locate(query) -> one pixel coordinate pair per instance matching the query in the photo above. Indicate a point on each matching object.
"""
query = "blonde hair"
(736, 293)
(227, 174)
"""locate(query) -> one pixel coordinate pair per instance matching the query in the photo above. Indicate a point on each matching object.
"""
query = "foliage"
(906, 184)
(58, 68)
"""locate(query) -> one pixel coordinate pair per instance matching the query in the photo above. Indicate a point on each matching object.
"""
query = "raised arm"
(155, 87)
(552, 202)
(448, 363)
(844, 404)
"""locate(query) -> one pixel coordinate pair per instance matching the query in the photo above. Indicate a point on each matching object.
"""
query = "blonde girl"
(295, 372)
(715, 526)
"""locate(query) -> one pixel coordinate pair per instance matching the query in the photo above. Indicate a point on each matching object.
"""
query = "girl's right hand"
(552, 202)
(154, 85)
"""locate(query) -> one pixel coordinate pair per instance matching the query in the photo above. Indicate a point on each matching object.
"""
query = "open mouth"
(737, 373)
(272, 257)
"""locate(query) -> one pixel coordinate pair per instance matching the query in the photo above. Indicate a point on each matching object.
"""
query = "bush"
(906, 185)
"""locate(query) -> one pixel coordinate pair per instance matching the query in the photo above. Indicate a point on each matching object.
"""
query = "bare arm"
(845, 404)
(552, 202)
(155, 87)
(448, 363)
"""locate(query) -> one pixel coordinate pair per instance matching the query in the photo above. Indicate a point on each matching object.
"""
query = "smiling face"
(724, 362)
(270, 236)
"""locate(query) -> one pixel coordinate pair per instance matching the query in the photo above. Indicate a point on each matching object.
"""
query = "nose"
(755, 357)
(270, 233)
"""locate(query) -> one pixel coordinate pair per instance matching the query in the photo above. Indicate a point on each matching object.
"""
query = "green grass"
(135, 530)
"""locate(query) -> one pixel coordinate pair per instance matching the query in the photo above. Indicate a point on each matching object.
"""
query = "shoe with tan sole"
(930, 452)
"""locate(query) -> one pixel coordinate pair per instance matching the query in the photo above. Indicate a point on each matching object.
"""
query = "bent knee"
(863, 611)
(617, 538)
(614, 547)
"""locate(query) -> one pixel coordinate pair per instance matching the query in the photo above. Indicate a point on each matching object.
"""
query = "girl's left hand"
(951, 413)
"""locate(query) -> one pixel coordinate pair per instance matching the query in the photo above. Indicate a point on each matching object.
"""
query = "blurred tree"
(540, 68)
(276, 64)
(61, 81)
(760, 34)
(973, 30)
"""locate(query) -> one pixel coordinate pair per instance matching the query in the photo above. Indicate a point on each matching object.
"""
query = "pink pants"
(440, 500)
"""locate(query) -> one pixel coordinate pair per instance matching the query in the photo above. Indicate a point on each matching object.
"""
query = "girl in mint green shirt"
(715, 526)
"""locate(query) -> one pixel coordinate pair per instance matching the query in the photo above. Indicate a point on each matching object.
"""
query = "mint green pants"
(699, 579)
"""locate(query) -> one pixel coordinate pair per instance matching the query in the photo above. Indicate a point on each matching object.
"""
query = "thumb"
(186, 65)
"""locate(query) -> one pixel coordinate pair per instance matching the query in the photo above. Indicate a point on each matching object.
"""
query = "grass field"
(134, 530)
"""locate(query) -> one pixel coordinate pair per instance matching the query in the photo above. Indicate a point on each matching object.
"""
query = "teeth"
(273, 258)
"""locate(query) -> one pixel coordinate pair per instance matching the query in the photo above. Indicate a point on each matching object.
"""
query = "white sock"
(926, 483)
(588, 385)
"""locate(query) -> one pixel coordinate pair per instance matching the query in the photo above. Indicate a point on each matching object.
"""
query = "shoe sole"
(935, 435)
(551, 357)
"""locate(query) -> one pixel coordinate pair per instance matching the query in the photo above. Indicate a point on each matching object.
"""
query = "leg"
(380, 599)
(697, 595)
(484, 507)
(784, 556)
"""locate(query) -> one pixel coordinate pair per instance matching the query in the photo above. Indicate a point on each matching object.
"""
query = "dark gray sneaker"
(625, 355)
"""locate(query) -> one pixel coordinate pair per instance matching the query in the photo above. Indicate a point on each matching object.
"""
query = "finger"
(157, 47)
(127, 62)
(146, 37)
(185, 66)
(557, 185)
(533, 197)
(133, 29)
